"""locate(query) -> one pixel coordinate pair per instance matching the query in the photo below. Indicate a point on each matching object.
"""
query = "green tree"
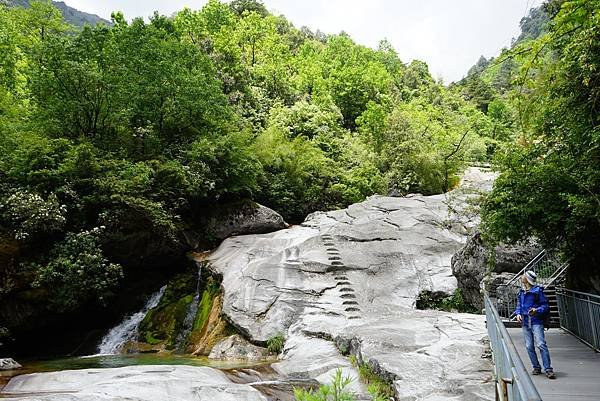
(550, 182)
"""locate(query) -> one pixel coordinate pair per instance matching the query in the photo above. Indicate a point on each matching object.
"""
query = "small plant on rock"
(379, 389)
(275, 343)
(336, 391)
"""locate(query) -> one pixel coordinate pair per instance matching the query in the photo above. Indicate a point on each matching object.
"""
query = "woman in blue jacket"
(531, 306)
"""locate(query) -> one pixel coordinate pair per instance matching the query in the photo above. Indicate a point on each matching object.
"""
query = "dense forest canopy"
(128, 133)
(549, 186)
(133, 130)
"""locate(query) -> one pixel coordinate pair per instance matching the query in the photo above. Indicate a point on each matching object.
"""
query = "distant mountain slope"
(71, 15)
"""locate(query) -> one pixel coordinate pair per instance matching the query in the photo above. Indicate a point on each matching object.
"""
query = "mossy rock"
(162, 323)
(211, 290)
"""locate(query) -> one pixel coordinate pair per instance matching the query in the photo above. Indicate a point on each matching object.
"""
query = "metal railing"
(513, 383)
(548, 269)
(580, 315)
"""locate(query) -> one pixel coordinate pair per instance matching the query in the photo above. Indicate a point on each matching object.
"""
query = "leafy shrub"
(228, 164)
(451, 303)
(275, 344)
(77, 272)
(29, 215)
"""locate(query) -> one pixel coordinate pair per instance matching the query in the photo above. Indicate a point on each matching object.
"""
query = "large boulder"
(476, 259)
(236, 347)
(238, 218)
(9, 364)
(355, 274)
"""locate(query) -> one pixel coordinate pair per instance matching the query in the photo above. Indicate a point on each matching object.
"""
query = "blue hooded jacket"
(527, 300)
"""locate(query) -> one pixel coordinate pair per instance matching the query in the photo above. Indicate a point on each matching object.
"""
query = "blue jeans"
(535, 335)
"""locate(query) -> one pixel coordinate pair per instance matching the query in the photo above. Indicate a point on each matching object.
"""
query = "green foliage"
(143, 127)
(227, 165)
(432, 165)
(212, 288)
(275, 344)
(379, 389)
(336, 391)
(550, 183)
(77, 272)
(137, 86)
(451, 303)
(29, 216)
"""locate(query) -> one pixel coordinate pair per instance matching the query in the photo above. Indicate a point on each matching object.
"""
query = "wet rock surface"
(355, 274)
(342, 283)
(133, 383)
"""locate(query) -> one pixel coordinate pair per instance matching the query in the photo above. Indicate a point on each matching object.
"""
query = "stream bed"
(122, 360)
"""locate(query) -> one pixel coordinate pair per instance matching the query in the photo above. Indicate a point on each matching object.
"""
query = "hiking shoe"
(536, 371)
(550, 375)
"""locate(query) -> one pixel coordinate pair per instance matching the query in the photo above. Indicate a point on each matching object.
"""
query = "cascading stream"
(127, 330)
(188, 321)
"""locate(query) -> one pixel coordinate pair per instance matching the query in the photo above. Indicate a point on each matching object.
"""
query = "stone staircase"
(345, 287)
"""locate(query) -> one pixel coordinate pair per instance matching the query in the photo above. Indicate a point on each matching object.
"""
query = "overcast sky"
(449, 35)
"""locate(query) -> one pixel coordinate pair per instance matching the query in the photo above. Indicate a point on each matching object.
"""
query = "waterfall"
(127, 330)
(188, 321)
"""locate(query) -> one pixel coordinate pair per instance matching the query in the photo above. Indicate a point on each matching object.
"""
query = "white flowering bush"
(27, 214)
(78, 272)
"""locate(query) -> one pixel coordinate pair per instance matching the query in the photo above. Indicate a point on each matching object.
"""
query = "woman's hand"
(519, 318)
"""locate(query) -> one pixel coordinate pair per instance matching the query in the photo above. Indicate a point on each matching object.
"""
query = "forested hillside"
(548, 87)
(115, 139)
(70, 14)
(132, 131)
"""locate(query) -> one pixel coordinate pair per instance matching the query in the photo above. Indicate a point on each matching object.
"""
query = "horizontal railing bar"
(581, 299)
(506, 359)
(586, 294)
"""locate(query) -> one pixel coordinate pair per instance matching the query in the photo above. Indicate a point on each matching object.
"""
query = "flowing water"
(188, 321)
(127, 330)
(120, 360)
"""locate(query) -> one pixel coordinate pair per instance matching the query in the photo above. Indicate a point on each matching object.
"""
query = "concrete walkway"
(576, 365)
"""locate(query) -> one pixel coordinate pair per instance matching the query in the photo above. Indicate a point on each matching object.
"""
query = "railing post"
(504, 383)
(592, 323)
